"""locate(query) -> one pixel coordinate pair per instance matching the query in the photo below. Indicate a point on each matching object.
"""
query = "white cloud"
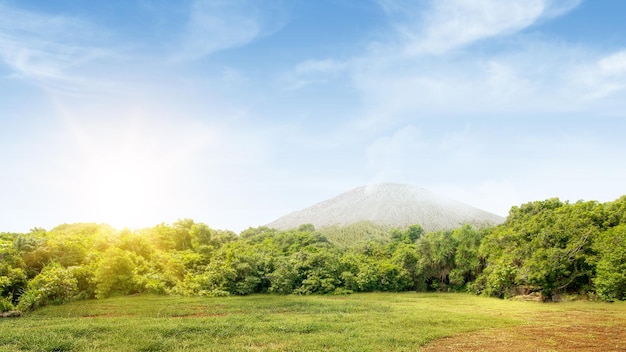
(449, 24)
(602, 78)
(216, 25)
(47, 49)
(430, 68)
(535, 76)
(418, 90)
(614, 65)
(457, 23)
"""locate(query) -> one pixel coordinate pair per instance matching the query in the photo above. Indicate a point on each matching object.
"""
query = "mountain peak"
(389, 204)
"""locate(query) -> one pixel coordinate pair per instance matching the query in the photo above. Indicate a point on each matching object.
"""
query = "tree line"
(549, 248)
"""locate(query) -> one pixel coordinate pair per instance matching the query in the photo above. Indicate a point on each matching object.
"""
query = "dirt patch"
(199, 315)
(576, 331)
(104, 315)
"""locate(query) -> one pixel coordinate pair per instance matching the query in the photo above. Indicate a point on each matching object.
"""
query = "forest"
(552, 249)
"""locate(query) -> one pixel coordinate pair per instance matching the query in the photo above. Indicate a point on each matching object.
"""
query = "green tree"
(182, 234)
(436, 252)
(162, 236)
(201, 235)
(410, 235)
(382, 275)
(467, 263)
(319, 268)
(543, 246)
(610, 281)
(136, 243)
(285, 277)
(406, 257)
(115, 274)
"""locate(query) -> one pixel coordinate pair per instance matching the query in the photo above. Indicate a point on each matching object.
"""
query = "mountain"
(390, 205)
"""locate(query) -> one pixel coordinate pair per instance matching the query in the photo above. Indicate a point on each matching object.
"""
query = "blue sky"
(235, 112)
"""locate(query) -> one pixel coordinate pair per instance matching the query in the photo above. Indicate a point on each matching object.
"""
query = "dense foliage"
(548, 247)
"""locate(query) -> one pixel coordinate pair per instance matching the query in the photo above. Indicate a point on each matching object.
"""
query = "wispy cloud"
(444, 25)
(216, 25)
(428, 67)
(429, 72)
(603, 78)
(47, 49)
(314, 72)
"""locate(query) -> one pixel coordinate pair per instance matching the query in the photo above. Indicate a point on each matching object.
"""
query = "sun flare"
(124, 191)
(126, 182)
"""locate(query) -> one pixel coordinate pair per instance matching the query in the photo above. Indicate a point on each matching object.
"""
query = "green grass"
(359, 322)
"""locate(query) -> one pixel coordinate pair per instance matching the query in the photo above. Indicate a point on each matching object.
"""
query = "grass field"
(359, 322)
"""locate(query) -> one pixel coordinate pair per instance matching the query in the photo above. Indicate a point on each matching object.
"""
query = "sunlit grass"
(360, 322)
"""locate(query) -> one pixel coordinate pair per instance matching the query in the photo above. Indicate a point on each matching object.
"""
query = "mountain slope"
(393, 205)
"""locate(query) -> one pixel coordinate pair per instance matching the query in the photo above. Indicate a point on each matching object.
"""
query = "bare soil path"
(546, 331)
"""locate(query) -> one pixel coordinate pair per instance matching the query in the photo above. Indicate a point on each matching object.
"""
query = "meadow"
(357, 322)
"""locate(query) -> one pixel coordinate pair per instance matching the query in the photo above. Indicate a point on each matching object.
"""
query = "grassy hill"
(359, 232)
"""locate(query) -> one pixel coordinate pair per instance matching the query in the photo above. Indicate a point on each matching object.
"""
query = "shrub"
(53, 285)
(6, 304)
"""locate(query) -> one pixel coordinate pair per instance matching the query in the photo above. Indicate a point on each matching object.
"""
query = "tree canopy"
(548, 247)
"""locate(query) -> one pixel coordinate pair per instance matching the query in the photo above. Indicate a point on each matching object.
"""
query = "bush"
(29, 300)
(6, 304)
(54, 285)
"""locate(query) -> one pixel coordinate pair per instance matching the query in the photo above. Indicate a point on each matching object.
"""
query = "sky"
(236, 112)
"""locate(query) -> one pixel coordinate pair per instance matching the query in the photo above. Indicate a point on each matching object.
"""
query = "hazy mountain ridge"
(389, 204)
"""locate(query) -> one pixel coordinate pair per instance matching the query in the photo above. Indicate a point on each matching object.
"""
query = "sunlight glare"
(124, 190)
(127, 179)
